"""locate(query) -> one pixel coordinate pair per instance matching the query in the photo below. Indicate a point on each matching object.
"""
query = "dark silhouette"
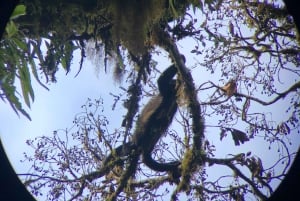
(11, 188)
(152, 124)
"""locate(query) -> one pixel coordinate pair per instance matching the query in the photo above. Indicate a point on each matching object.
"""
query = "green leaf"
(67, 57)
(171, 4)
(26, 84)
(11, 29)
(19, 11)
(22, 45)
(35, 73)
(9, 91)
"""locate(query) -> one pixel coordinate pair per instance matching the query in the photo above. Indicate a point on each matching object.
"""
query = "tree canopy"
(245, 65)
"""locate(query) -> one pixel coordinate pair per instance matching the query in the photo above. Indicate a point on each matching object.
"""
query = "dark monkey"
(153, 122)
(156, 118)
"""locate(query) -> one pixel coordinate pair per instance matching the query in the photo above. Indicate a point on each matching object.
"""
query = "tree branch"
(193, 156)
(124, 180)
(229, 163)
(280, 95)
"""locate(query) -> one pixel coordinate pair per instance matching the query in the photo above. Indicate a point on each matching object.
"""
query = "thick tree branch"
(193, 156)
(185, 75)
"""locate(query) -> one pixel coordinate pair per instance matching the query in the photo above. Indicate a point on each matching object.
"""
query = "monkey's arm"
(165, 79)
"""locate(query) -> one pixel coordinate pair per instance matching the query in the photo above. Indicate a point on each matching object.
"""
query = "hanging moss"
(132, 20)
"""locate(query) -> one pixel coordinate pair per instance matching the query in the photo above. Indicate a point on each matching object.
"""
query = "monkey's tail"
(161, 167)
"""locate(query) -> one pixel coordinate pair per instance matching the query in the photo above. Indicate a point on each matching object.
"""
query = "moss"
(132, 21)
(186, 170)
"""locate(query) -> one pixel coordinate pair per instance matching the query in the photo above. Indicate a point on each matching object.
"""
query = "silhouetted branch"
(280, 95)
(229, 163)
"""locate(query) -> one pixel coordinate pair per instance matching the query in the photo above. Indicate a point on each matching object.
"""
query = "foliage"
(18, 58)
(42, 28)
(243, 51)
(13, 64)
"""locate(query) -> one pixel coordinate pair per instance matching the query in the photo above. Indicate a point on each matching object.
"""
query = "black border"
(12, 189)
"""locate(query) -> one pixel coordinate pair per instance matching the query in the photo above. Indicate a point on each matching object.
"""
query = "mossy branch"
(193, 104)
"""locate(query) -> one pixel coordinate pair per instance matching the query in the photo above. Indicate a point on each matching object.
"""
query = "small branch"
(229, 163)
(130, 170)
(80, 191)
(29, 181)
(100, 173)
(200, 188)
(280, 95)
(150, 183)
